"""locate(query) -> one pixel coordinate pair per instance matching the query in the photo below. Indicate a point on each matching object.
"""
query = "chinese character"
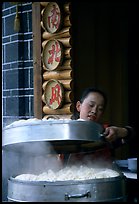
(54, 19)
(55, 95)
(54, 53)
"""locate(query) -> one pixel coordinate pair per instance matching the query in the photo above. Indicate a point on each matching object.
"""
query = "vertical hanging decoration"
(57, 60)
(17, 20)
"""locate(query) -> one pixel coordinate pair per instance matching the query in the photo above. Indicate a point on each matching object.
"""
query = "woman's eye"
(91, 105)
(100, 109)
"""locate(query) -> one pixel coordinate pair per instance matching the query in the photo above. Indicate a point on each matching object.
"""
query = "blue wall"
(17, 63)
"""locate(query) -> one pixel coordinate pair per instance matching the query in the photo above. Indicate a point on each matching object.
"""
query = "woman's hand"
(112, 133)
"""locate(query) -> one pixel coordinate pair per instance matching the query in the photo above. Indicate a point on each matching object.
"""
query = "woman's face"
(92, 107)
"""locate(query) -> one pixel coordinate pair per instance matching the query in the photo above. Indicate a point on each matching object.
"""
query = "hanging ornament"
(17, 20)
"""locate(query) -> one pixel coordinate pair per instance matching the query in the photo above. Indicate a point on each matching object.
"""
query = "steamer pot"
(93, 190)
(65, 136)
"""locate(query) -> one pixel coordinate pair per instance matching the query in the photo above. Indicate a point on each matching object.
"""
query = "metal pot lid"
(50, 136)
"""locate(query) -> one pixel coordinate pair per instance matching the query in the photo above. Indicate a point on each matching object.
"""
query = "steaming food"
(32, 121)
(70, 173)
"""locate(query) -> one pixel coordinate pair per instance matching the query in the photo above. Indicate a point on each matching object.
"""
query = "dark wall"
(104, 55)
(133, 64)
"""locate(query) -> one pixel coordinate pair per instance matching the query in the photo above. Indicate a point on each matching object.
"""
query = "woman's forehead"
(95, 98)
(95, 95)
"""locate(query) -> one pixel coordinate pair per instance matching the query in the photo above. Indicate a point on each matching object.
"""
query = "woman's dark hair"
(90, 90)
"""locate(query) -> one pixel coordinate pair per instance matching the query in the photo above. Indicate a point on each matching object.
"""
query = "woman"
(91, 107)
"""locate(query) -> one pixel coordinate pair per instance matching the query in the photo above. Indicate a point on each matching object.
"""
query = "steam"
(40, 158)
(32, 157)
(89, 159)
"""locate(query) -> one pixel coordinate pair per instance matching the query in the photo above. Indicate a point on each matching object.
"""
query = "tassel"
(17, 21)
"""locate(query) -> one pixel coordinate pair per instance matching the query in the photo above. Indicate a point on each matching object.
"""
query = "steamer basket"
(93, 190)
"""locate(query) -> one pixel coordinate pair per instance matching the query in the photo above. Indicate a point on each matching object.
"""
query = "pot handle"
(87, 194)
(102, 138)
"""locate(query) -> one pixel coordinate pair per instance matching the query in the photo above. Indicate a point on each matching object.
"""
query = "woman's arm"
(119, 135)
